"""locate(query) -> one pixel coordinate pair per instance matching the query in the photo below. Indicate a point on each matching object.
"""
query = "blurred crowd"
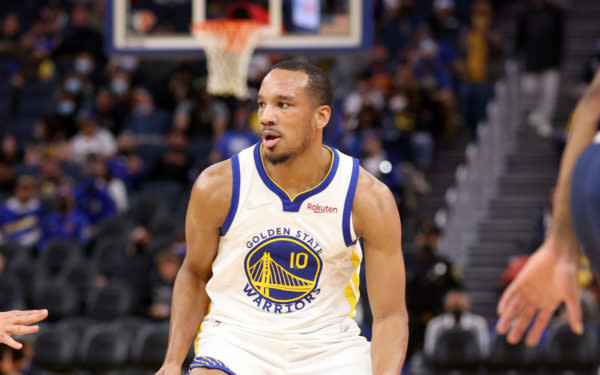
(100, 150)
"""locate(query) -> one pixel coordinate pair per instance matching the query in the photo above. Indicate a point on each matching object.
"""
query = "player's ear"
(322, 115)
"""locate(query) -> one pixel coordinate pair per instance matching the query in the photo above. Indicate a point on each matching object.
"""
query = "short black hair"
(319, 86)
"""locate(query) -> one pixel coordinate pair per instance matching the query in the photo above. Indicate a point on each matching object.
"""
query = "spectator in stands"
(91, 140)
(175, 162)
(147, 123)
(85, 68)
(131, 265)
(457, 313)
(446, 28)
(179, 90)
(98, 169)
(481, 50)
(431, 276)
(66, 114)
(366, 97)
(10, 155)
(105, 109)
(120, 86)
(540, 40)
(81, 37)
(167, 266)
(94, 200)
(399, 26)
(377, 162)
(51, 177)
(10, 360)
(10, 33)
(127, 165)
(14, 299)
(237, 138)
(66, 222)
(208, 119)
(435, 82)
(21, 215)
(51, 138)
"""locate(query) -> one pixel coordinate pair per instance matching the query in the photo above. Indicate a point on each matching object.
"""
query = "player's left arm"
(376, 220)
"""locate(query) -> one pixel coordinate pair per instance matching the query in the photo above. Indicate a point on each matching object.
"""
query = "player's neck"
(302, 172)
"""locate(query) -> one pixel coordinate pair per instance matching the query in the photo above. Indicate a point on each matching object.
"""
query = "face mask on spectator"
(119, 86)
(73, 85)
(83, 65)
(66, 107)
(397, 103)
(143, 109)
(128, 63)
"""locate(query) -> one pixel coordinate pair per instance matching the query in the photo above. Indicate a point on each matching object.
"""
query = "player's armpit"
(377, 222)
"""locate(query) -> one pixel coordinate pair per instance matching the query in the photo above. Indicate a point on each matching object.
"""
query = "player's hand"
(168, 369)
(17, 322)
(548, 278)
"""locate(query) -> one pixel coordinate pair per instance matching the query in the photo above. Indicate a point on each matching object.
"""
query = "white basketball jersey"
(286, 264)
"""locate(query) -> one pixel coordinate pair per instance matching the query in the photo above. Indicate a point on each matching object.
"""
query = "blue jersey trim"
(210, 363)
(235, 194)
(293, 204)
(348, 204)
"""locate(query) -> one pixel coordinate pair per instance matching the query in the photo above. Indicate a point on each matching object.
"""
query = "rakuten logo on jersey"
(319, 209)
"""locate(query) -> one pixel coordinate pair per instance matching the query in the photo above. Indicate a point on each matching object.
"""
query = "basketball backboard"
(295, 26)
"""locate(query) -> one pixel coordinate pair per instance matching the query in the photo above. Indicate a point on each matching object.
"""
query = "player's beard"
(275, 158)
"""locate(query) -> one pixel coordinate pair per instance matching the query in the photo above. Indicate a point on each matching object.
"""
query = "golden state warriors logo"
(283, 274)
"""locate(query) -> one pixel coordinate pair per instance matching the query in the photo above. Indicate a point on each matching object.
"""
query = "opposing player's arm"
(550, 276)
(207, 209)
(376, 220)
(585, 119)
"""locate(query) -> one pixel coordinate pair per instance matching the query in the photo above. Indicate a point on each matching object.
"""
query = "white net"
(228, 54)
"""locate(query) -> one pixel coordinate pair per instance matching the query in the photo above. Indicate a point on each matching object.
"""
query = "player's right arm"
(207, 209)
(550, 275)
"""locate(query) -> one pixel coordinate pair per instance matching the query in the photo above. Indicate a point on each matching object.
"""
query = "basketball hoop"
(232, 42)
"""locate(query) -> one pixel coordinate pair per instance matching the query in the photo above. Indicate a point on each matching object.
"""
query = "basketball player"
(272, 244)
(550, 276)
(16, 322)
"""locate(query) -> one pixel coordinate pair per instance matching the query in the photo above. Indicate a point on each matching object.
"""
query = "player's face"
(286, 114)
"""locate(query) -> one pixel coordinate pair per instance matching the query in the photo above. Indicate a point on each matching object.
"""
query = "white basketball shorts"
(334, 350)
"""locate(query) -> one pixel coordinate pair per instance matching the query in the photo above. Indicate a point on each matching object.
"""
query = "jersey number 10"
(298, 260)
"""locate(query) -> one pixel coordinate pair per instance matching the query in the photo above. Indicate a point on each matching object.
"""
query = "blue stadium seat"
(150, 345)
(29, 274)
(505, 356)
(15, 252)
(168, 191)
(77, 324)
(81, 275)
(59, 254)
(103, 348)
(143, 208)
(58, 297)
(130, 324)
(109, 302)
(55, 349)
(117, 226)
(10, 294)
(456, 349)
(568, 351)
